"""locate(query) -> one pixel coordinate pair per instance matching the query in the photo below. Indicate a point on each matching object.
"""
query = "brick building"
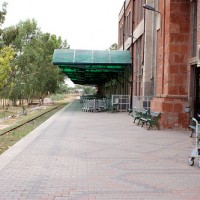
(164, 40)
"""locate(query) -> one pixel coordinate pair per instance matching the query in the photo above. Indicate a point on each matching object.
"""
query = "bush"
(57, 97)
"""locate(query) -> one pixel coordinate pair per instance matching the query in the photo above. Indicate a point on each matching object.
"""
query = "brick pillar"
(172, 81)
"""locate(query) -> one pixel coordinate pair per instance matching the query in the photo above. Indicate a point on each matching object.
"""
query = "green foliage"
(113, 46)
(89, 90)
(26, 69)
(57, 97)
(3, 13)
(9, 35)
(63, 88)
(26, 31)
(6, 56)
(65, 45)
(33, 58)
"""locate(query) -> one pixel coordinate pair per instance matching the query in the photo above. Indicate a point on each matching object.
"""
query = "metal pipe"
(132, 58)
(163, 35)
(124, 26)
(144, 36)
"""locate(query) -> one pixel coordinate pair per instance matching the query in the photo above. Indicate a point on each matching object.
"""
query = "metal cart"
(196, 151)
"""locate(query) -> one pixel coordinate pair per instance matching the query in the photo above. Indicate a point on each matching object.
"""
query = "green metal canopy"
(92, 67)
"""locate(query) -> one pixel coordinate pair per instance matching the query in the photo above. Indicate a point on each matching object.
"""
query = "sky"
(85, 24)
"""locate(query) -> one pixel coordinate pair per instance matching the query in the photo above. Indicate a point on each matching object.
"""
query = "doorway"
(196, 90)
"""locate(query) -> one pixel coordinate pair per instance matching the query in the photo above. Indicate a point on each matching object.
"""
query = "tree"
(65, 45)
(34, 60)
(63, 88)
(89, 90)
(3, 13)
(26, 31)
(113, 46)
(42, 49)
(7, 71)
(9, 35)
(6, 56)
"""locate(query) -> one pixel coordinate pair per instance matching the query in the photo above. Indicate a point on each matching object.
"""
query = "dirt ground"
(12, 115)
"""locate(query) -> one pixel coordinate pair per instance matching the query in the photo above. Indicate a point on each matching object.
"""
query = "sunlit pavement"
(99, 156)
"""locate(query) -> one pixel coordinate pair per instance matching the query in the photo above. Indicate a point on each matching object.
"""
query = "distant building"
(165, 47)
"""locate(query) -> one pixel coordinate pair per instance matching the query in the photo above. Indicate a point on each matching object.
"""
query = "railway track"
(29, 120)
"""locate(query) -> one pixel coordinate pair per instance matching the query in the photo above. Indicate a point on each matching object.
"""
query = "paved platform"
(99, 156)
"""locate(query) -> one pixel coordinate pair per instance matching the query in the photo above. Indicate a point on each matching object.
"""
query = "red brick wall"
(128, 9)
(138, 11)
(173, 53)
(120, 26)
(198, 22)
(174, 41)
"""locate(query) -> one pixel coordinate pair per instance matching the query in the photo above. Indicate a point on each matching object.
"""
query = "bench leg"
(138, 122)
(192, 133)
(143, 122)
(151, 125)
(135, 119)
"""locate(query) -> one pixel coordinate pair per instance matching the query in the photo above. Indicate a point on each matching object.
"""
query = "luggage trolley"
(196, 151)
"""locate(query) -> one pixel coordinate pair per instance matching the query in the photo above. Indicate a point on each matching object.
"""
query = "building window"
(140, 10)
(121, 35)
(139, 59)
(128, 23)
(194, 28)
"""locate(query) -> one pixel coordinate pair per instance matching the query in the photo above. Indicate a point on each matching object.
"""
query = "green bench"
(151, 120)
(140, 114)
(136, 115)
(130, 111)
(114, 107)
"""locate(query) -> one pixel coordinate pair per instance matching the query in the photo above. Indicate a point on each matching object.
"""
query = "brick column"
(173, 46)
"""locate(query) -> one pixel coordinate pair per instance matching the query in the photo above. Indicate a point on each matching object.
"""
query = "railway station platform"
(77, 155)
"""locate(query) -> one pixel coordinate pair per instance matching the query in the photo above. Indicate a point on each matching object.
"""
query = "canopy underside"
(92, 67)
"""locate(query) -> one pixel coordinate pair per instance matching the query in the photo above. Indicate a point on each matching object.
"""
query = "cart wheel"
(191, 161)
